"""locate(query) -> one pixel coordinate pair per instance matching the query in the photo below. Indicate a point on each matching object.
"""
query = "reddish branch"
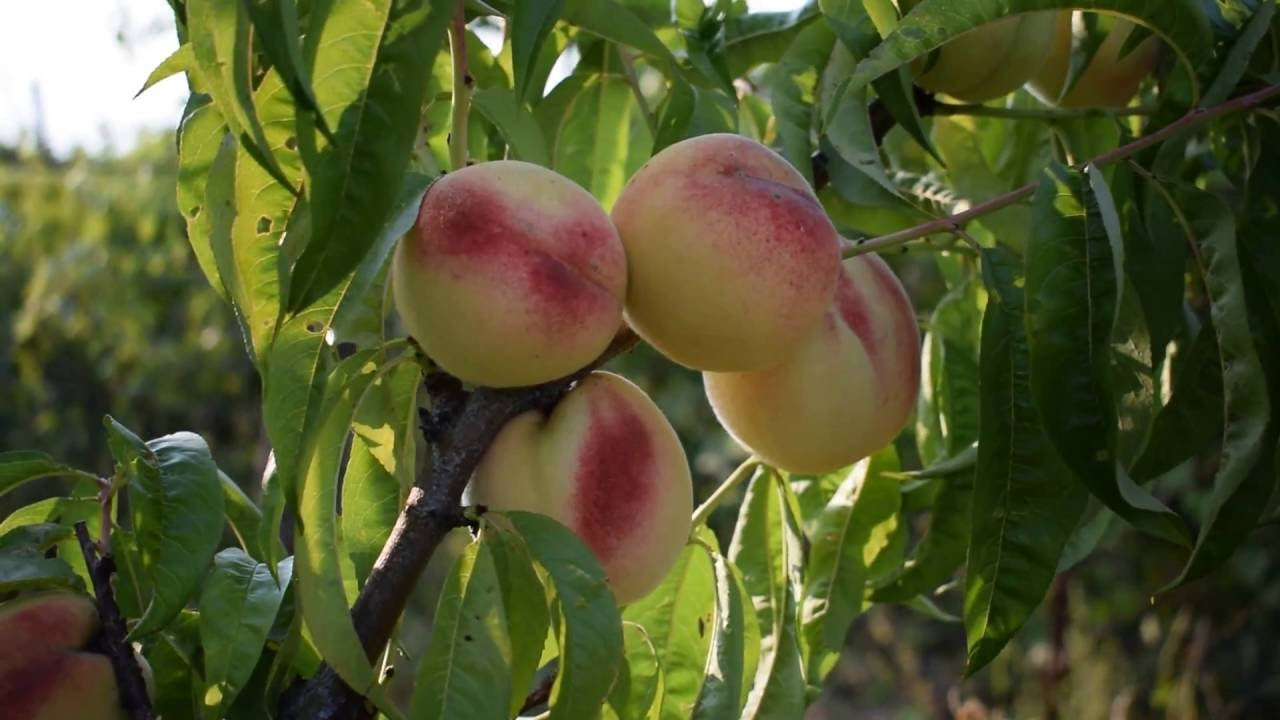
(460, 427)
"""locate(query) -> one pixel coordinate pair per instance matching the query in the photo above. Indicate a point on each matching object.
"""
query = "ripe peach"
(41, 625)
(989, 61)
(731, 259)
(64, 686)
(846, 392)
(1108, 81)
(608, 465)
(513, 275)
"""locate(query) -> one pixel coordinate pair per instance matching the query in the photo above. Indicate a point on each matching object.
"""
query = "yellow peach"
(848, 389)
(605, 463)
(64, 686)
(731, 259)
(513, 275)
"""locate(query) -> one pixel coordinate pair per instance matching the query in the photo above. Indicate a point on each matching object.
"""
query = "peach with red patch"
(513, 275)
(41, 625)
(731, 259)
(846, 391)
(65, 686)
(608, 465)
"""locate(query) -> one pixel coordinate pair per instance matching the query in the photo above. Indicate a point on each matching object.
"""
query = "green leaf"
(180, 60)
(223, 50)
(522, 599)
(721, 694)
(370, 63)
(380, 463)
(323, 596)
(64, 510)
(1192, 419)
(1236, 63)
(35, 538)
(275, 23)
(942, 550)
(678, 617)
(1025, 503)
(793, 83)
(1071, 310)
(200, 135)
(243, 516)
(1156, 248)
(853, 530)
(466, 671)
(238, 605)
(638, 692)
(689, 111)
(617, 23)
(18, 467)
(762, 37)
(1241, 484)
(262, 209)
(531, 21)
(176, 506)
(589, 629)
(21, 571)
(518, 126)
(298, 361)
(594, 146)
(767, 550)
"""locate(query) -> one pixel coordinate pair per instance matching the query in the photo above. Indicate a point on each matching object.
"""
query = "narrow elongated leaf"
(275, 23)
(370, 63)
(177, 510)
(594, 146)
(1192, 419)
(467, 669)
(854, 528)
(22, 466)
(678, 617)
(638, 692)
(590, 629)
(298, 359)
(1025, 503)
(1071, 306)
(223, 51)
(238, 605)
(244, 517)
(1242, 484)
(324, 599)
(199, 136)
(721, 693)
(793, 85)
(34, 538)
(1237, 61)
(766, 549)
(522, 595)
(762, 37)
(181, 60)
(64, 510)
(942, 550)
(1157, 250)
(379, 464)
(518, 126)
(616, 22)
(530, 23)
(20, 571)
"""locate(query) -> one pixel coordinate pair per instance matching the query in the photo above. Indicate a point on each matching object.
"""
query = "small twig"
(462, 86)
(743, 471)
(629, 69)
(957, 221)
(133, 689)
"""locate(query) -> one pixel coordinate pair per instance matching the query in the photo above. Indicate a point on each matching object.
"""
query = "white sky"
(87, 58)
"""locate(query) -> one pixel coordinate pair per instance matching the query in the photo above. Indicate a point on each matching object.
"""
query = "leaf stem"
(462, 87)
(744, 471)
(629, 69)
(954, 222)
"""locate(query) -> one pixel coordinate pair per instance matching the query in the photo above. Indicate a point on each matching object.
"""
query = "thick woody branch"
(432, 510)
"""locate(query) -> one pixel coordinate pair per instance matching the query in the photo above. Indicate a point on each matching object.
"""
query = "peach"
(513, 275)
(605, 463)
(989, 61)
(41, 625)
(64, 686)
(847, 391)
(1108, 81)
(731, 260)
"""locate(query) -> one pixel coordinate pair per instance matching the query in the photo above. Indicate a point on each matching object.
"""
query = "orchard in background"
(973, 283)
